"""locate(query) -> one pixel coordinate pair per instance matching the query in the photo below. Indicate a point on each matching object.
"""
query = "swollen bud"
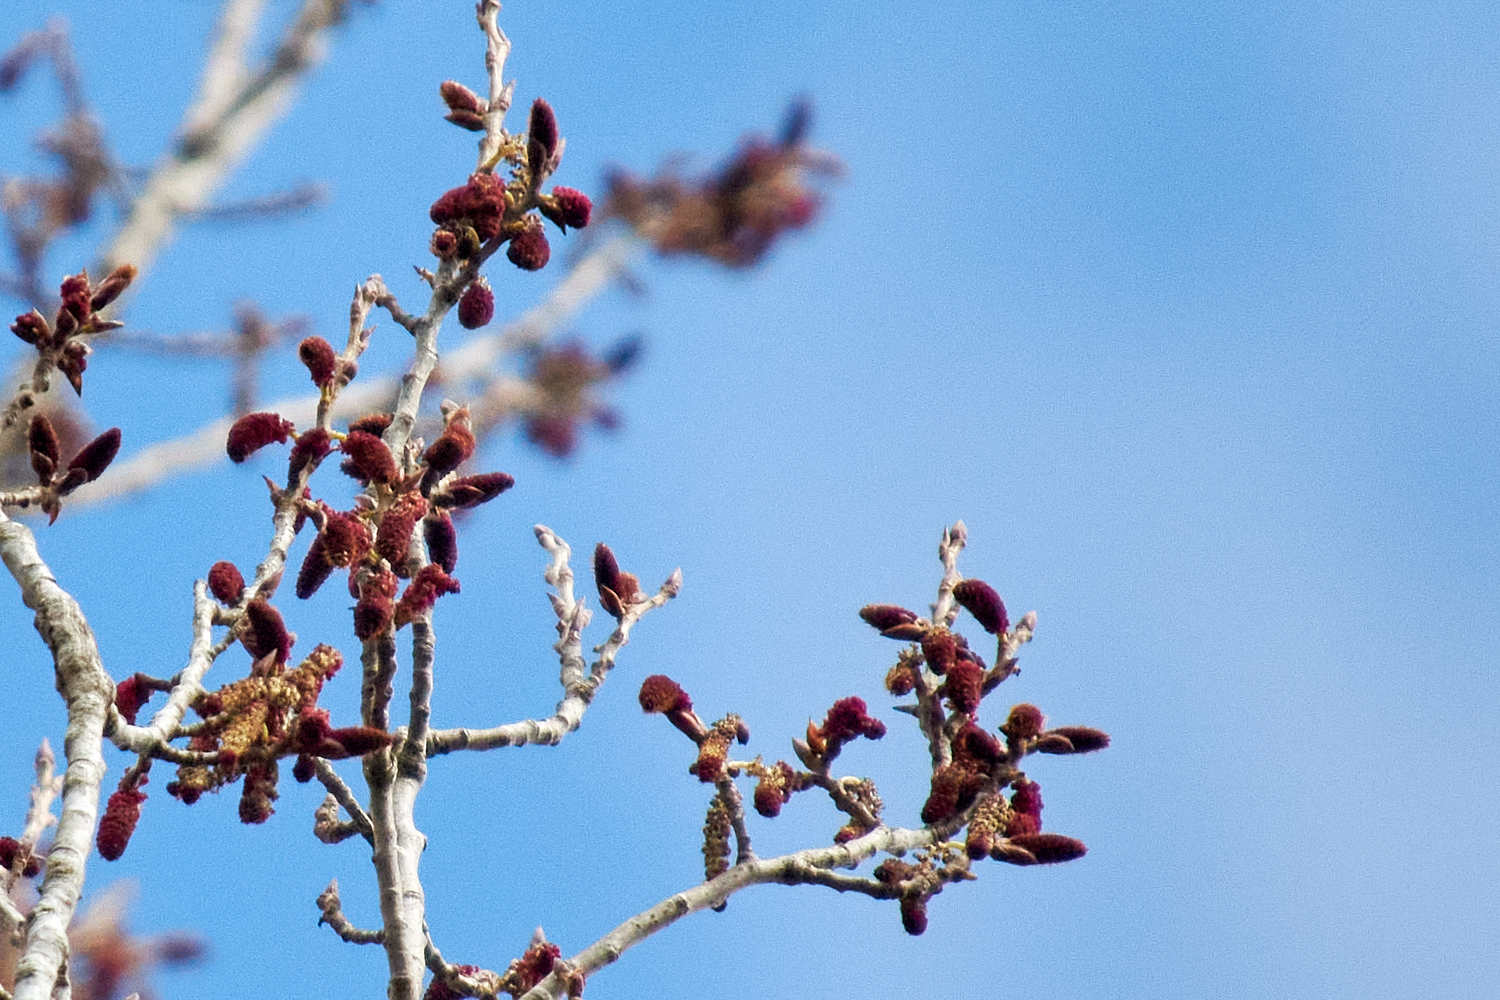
(981, 601)
(541, 134)
(92, 460)
(113, 284)
(477, 306)
(529, 249)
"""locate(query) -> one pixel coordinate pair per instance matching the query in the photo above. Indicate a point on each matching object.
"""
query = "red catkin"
(118, 822)
(254, 431)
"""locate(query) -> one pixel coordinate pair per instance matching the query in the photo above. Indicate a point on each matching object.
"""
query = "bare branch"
(580, 680)
(333, 915)
(223, 126)
(789, 869)
(89, 694)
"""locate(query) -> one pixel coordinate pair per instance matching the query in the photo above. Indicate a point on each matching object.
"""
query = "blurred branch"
(224, 123)
(476, 358)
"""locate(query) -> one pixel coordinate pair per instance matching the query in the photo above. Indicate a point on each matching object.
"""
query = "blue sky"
(1188, 311)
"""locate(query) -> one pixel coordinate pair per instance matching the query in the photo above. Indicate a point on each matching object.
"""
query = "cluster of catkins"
(735, 214)
(971, 765)
(63, 343)
(488, 211)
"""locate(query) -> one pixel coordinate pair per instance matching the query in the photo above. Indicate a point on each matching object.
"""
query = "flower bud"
(471, 491)
(31, 327)
(254, 431)
(541, 136)
(369, 459)
(442, 541)
(113, 284)
(885, 616)
(1078, 739)
(566, 207)
(41, 441)
(322, 364)
(92, 459)
(1050, 848)
(529, 249)
(225, 582)
(981, 601)
(460, 98)
(477, 306)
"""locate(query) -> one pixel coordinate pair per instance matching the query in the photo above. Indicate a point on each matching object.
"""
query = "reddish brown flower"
(1021, 823)
(954, 788)
(774, 789)
(305, 769)
(254, 431)
(1024, 722)
(422, 593)
(393, 537)
(616, 589)
(477, 306)
(981, 601)
(372, 423)
(541, 136)
(529, 249)
(356, 741)
(940, 648)
(1050, 848)
(567, 207)
(471, 491)
(312, 446)
(964, 686)
(121, 814)
(131, 694)
(1027, 797)
(322, 364)
(265, 633)
(660, 693)
(460, 98)
(884, 616)
(452, 448)
(315, 569)
(376, 606)
(76, 298)
(32, 327)
(442, 541)
(913, 914)
(345, 538)
(258, 793)
(479, 204)
(533, 966)
(713, 751)
(225, 582)
(369, 459)
(973, 744)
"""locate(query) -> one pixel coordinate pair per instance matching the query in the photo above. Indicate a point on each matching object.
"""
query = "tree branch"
(580, 680)
(89, 694)
(223, 125)
(788, 869)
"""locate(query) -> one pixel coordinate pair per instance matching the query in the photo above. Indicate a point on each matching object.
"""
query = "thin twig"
(580, 680)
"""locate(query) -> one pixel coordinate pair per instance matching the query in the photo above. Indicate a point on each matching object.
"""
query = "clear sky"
(1188, 310)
